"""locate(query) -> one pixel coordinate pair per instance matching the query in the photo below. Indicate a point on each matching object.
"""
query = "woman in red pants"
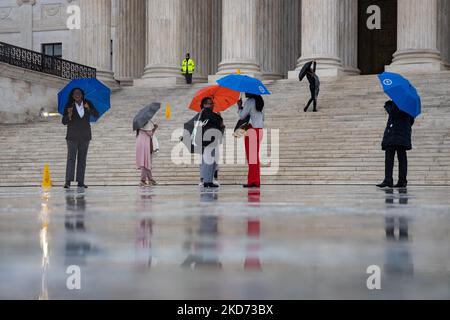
(253, 107)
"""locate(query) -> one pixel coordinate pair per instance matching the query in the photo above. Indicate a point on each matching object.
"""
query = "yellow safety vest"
(188, 66)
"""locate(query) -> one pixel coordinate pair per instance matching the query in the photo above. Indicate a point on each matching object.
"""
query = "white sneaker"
(216, 182)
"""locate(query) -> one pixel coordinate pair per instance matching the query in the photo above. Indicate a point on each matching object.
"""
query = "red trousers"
(252, 142)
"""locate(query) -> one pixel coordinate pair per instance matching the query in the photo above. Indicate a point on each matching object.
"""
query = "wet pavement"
(183, 242)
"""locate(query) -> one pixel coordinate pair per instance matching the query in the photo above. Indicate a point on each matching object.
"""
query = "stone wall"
(25, 92)
(29, 24)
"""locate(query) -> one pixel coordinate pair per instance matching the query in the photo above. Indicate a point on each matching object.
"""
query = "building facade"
(144, 41)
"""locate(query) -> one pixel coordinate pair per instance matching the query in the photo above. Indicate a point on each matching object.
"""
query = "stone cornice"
(21, 2)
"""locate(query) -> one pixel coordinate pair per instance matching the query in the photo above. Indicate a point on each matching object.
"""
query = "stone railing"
(36, 61)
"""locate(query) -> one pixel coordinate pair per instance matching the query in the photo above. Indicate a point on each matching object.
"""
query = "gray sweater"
(256, 117)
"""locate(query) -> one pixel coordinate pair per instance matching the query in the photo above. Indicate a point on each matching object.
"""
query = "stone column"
(416, 38)
(443, 34)
(216, 36)
(129, 44)
(26, 33)
(270, 38)
(239, 38)
(291, 24)
(196, 29)
(348, 35)
(320, 35)
(94, 48)
(163, 61)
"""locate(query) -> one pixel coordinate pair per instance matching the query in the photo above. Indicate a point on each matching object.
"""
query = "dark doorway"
(376, 47)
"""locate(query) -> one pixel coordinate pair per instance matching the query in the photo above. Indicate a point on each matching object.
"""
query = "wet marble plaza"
(183, 242)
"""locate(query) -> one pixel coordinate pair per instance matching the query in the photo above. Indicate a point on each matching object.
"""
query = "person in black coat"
(314, 86)
(396, 139)
(210, 121)
(76, 117)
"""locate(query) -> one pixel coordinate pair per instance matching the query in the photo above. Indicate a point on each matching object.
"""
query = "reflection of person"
(396, 139)
(252, 260)
(314, 85)
(143, 242)
(144, 152)
(76, 116)
(253, 107)
(76, 249)
(398, 256)
(203, 247)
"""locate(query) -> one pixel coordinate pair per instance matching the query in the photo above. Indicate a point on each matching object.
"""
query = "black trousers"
(402, 165)
(76, 151)
(188, 77)
(313, 98)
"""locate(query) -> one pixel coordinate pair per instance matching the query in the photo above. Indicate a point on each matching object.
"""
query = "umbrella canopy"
(190, 135)
(305, 68)
(243, 83)
(94, 91)
(223, 98)
(145, 115)
(401, 91)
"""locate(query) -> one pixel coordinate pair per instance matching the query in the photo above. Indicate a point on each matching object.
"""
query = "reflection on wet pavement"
(277, 242)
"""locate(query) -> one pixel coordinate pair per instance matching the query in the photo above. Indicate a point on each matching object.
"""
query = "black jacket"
(398, 128)
(79, 129)
(212, 120)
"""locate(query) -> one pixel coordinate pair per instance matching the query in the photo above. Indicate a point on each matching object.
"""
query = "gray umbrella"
(145, 115)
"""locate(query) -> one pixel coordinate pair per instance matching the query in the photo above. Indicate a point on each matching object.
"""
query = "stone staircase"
(338, 145)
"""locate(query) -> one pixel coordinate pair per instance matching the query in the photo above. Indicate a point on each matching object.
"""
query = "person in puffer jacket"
(396, 139)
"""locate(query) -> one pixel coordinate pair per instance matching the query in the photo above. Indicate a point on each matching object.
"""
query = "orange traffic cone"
(46, 179)
(168, 113)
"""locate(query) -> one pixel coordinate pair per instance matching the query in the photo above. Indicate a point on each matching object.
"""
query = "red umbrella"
(223, 98)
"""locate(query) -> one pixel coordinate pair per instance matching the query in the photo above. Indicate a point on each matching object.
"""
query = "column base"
(125, 81)
(246, 67)
(107, 77)
(158, 82)
(416, 61)
(232, 65)
(271, 76)
(214, 77)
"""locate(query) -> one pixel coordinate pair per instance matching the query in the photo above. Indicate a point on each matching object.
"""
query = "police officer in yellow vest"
(188, 68)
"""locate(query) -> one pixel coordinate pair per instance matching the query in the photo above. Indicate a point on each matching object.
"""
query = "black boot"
(210, 185)
(385, 184)
(401, 184)
(67, 185)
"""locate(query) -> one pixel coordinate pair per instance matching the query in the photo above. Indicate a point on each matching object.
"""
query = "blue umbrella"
(94, 91)
(401, 91)
(243, 83)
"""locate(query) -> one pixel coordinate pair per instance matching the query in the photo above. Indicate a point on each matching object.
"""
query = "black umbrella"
(145, 115)
(188, 138)
(242, 124)
(305, 68)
